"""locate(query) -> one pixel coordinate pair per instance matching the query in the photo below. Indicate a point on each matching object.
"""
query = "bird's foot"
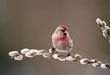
(52, 51)
(68, 54)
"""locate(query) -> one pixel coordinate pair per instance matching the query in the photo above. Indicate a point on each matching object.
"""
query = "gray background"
(30, 24)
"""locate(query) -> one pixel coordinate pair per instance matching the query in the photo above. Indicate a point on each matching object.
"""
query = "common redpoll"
(61, 40)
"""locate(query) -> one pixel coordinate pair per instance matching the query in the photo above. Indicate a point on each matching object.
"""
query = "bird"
(61, 40)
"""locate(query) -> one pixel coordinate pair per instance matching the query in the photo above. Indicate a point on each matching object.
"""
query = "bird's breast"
(61, 43)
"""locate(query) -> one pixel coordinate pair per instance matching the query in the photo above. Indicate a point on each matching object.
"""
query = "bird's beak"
(65, 32)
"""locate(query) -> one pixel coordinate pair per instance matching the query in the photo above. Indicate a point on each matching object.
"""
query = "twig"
(51, 53)
(105, 29)
(30, 53)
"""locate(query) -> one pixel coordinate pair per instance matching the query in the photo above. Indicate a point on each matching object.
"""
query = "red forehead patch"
(64, 26)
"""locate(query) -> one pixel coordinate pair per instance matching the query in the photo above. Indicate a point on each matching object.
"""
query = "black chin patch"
(65, 34)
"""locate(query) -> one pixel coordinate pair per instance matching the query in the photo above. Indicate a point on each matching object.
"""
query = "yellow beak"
(65, 32)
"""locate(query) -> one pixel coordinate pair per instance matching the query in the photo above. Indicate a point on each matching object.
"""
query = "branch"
(30, 53)
(105, 29)
(51, 53)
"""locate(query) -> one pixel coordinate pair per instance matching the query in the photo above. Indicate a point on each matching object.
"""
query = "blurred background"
(30, 24)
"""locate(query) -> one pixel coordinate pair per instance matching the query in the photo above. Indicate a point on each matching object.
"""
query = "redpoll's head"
(63, 27)
(62, 30)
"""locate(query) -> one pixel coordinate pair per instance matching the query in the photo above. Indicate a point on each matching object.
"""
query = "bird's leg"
(68, 53)
(53, 50)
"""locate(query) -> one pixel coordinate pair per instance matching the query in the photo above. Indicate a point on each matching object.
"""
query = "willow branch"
(105, 29)
(30, 53)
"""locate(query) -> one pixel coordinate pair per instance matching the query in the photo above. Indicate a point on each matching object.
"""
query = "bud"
(100, 23)
(70, 58)
(96, 64)
(106, 32)
(34, 52)
(29, 54)
(84, 61)
(55, 56)
(93, 60)
(46, 55)
(61, 59)
(105, 66)
(19, 57)
(23, 51)
(40, 52)
(13, 53)
(77, 56)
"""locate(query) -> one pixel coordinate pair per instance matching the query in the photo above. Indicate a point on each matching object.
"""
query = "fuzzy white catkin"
(13, 53)
(24, 51)
(77, 56)
(103, 66)
(98, 21)
(29, 54)
(106, 32)
(19, 57)
(46, 55)
(96, 64)
(34, 52)
(40, 52)
(93, 60)
(50, 50)
(70, 58)
(104, 23)
(62, 59)
(55, 56)
(84, 61)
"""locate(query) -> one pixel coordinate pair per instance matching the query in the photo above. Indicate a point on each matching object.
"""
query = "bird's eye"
(62, 30)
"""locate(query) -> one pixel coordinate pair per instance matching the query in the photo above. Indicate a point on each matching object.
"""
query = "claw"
(68, 54)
